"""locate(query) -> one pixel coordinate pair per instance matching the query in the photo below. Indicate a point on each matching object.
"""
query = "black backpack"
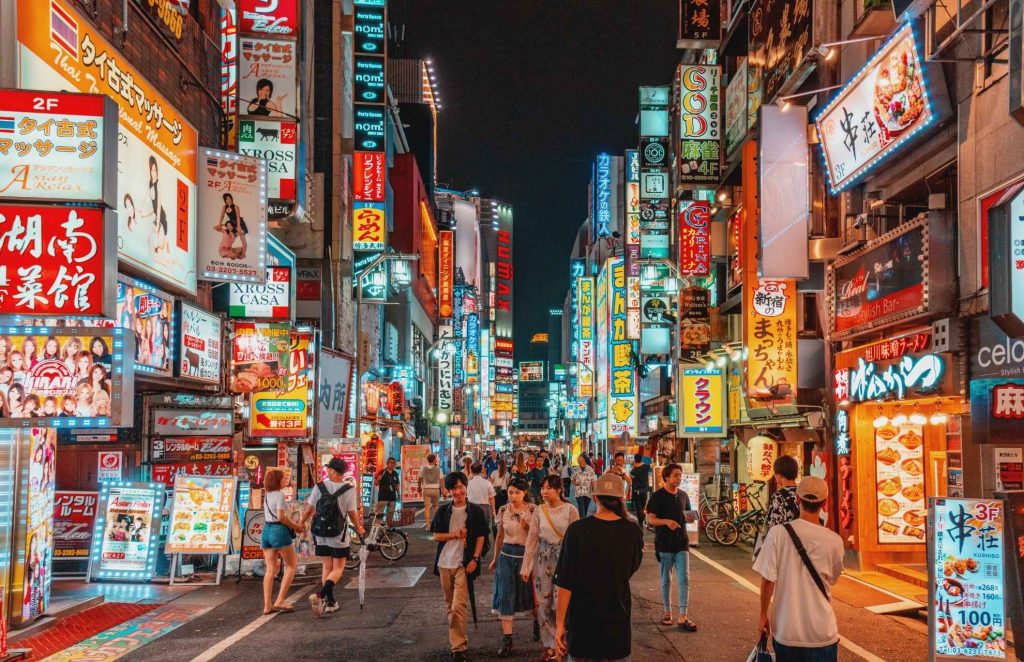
(329, 521)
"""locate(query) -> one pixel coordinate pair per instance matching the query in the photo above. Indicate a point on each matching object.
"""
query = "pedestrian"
(798, 563)
(783, 505)
(490, 463)
(467, 465)
(512, 594)
(277, 541)
(430, 487)
(640, 477)
(583, 478)
(565, 470)
(619, 469)
(481, 492)
(547, 530)
(597, 463)
(669, 510)
(536, 475)
(388, 486)
(521, 469)
(460, 531)
(599, 554)
(329, 504)
(500, 479)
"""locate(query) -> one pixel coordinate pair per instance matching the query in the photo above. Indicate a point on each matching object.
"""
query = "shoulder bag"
(807, 560)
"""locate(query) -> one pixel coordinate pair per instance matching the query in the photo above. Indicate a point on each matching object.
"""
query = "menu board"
(201, 515)
(691, 486)
(128, 516)
(966, 592)
(899, 472)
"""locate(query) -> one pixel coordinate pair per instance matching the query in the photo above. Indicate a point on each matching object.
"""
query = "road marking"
(240, 634)
(747, 584)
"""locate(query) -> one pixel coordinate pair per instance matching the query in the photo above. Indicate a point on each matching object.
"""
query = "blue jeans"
(681, 561)
(785, 653)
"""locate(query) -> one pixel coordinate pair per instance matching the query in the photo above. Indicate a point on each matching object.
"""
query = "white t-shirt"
(273, 503)
(480, 491)
(346, 504)
(451, 553)
(803, 617)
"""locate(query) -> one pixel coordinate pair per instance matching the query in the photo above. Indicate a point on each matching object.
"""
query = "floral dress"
(543, 545)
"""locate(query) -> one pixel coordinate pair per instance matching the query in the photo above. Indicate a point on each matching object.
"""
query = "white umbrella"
(363, 553)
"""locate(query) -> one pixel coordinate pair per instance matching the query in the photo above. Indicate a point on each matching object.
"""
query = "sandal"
(688, 626)
(667, 621)
(286, 609)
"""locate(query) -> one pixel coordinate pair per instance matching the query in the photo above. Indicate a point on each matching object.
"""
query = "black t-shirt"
(596, 561)
(389, 485)
(664, 505)
(641, 478)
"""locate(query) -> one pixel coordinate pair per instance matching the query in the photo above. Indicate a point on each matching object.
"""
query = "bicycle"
(747, 525)
(392, 543)
(712, 509)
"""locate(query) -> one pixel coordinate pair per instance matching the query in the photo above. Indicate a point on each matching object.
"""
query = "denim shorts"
(275, 536)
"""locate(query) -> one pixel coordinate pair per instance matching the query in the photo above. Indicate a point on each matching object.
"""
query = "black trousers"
(639, 504)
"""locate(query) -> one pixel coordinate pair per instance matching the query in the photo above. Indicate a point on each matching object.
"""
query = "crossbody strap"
(551, 522)
(806, 559)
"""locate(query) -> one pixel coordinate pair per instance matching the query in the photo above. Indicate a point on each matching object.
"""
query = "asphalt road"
(400, 623)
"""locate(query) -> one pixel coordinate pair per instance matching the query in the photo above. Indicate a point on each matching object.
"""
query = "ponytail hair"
(614, 504)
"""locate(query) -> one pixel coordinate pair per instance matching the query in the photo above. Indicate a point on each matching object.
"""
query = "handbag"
(807, 560)
(761, 652)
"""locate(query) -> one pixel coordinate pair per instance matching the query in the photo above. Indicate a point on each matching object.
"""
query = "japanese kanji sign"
(233, 208)
(333, 394)
(623, 414)
(57, 261)
(700, 23)
(368, 176)
(695, 238)
(702, 406)
(700, 130)
(58, 147)
(883, 107)
(997, 410)
(585, 325)
(369, 226)
(445, 272)
(780, 35)
(156, 185)
(769, 333)
(73, 517)
(285, 412)
(201, 347)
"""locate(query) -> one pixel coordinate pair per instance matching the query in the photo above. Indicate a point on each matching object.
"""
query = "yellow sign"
(285, 412)
(369, 226)
(702, 402)
(585, 313)
(623, 416)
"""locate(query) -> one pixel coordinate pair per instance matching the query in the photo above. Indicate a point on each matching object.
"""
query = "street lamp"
(368, 274)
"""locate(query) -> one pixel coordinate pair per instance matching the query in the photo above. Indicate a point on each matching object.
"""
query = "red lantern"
(396, 398)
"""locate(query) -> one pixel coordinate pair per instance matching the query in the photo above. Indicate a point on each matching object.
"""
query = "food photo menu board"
(899, 472)
(201, 518)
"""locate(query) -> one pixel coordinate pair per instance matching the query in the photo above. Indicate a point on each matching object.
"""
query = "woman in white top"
(499, 479)
(543, 543)
(583, 478)
(277, 538)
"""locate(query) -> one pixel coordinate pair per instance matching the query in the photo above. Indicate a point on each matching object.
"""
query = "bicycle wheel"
(748, 531)
(355, 544)
(709, 529)
(726, 533)
(393, 544)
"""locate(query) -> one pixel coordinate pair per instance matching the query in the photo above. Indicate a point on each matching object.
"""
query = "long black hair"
(614, 504)
(555, 483)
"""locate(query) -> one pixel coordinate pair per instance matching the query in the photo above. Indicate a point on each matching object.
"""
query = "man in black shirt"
(641, 473)
(669, 510)
(599, 555)
(388, 487)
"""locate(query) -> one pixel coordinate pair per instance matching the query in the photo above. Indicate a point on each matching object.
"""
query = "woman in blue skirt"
(512, 595)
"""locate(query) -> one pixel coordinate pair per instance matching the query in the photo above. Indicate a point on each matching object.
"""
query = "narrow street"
(408, 623)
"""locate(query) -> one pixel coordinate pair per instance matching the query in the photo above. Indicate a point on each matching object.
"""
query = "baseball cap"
(337, 464)
(812, 489)
(609, 485)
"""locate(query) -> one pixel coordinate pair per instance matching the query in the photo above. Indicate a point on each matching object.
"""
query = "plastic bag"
(761, 652)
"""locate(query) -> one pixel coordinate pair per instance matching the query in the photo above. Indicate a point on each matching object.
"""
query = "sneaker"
(316, 603)
(458, 656)
(506, 649)
(331, 607)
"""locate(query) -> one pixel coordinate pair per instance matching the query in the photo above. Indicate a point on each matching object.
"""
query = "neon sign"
(867, 382)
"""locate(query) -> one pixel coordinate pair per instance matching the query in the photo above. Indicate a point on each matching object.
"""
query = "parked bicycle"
(713, 508)
(392, 543)
(745, 527)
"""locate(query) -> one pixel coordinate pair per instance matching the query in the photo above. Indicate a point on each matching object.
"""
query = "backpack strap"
(323, 489)
(806, 559)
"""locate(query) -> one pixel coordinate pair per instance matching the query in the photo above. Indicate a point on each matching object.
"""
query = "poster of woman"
(267, 77)
(233, 212)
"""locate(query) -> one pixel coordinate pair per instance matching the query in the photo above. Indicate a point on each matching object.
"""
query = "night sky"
(531, 91)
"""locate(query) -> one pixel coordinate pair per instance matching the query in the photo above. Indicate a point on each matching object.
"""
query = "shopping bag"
(761, 652)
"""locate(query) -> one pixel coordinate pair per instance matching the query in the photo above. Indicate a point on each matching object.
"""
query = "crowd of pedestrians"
(544, 554)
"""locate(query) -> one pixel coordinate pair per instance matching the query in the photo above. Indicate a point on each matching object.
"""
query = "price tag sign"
(967, 580)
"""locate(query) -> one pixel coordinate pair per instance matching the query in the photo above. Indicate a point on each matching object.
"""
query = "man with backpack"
(328, 505)
(797, 563)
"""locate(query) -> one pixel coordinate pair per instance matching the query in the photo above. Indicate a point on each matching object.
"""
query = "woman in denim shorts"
(277, 541)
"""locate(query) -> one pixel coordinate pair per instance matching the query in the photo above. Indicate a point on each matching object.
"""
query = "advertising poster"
(166, 474)
(267, 77)
(49, 373)
(967, 592)
(127, 520)
(285, 412)
(414, 458)
(74, 514)
(150, 314)
(259, 356)
(271, 300)
(157, 147)
(899, 472)
(38, 545)
(109, 466)
(702, 405)
(201, 515)
(199, 351)
(31, 153)
(233, 217)
(277, 144)
(333, 394)
(58, 261)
